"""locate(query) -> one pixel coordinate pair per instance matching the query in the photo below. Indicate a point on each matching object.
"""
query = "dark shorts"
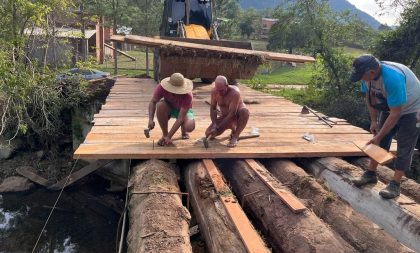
(406, 134)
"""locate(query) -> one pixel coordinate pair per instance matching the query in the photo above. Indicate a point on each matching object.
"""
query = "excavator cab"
(192, 21)
(187, 19)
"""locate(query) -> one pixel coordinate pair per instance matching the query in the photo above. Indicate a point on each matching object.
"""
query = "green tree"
(226, 12)
(228, 9)
(290, 32)
(146, 16)
(325, 32)
(31, 101)
(248, 21)
(402, 44)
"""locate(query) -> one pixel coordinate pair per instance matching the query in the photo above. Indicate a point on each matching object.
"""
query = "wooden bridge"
(118, 129)
(276, 192)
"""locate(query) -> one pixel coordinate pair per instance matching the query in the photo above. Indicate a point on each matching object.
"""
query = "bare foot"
(185, 136)
(233, 142)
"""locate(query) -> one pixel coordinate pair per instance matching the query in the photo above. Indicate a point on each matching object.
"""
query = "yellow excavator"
(192, 21)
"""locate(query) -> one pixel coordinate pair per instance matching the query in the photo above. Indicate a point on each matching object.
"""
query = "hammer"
(147, 132)
(206, 141)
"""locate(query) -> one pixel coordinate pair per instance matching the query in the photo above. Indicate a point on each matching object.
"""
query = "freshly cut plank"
(248, 234)
(289, 199)
(377, 153)
(155, 42)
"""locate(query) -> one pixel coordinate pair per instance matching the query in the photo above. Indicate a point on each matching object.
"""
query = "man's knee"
(189, 125)
(244, 113)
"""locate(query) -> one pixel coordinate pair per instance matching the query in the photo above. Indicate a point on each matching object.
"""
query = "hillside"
(337, 5)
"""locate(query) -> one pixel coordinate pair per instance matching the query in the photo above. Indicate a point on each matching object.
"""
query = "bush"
(331, 91)
(33, 103)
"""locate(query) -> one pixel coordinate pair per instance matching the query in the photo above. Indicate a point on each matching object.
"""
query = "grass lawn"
(127, 66)
(300, 75)
(354, 51)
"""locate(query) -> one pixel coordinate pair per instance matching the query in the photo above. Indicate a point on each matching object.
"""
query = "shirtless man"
(233, 113)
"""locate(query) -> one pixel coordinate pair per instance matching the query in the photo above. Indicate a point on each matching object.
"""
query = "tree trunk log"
(286, 231)
(409, 187)
(356, 229)
(400, 217)
(158, 221)
(215, 224)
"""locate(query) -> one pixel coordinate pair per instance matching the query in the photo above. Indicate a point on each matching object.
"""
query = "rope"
(123, 215)
(54, 206)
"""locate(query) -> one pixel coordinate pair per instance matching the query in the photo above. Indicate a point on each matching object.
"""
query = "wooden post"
(147, 61)
(100, 50)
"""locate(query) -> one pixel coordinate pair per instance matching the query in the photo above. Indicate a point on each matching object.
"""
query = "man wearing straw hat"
(176, 103)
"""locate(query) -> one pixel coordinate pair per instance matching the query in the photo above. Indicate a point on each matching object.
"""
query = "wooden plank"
(121, 52)
(31, 174)
(143, 151)
(347, 130)
(377, 153)
(288, 198)
(79, 174)
(155, 42)
(268, 139)
(248, 234)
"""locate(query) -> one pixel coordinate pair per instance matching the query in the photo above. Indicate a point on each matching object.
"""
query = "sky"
(388, 16)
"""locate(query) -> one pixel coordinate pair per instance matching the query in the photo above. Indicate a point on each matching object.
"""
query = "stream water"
(79, 224)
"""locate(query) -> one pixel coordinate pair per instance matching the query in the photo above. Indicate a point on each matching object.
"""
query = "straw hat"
(177, 84)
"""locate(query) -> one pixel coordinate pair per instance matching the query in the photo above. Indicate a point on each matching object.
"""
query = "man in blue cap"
(393, 100)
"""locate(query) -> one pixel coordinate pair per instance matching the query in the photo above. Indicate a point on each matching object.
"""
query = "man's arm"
(394, 115)
(213, 107)
(373, 113)
(179, 121)
(233, 108)
(152, 111)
